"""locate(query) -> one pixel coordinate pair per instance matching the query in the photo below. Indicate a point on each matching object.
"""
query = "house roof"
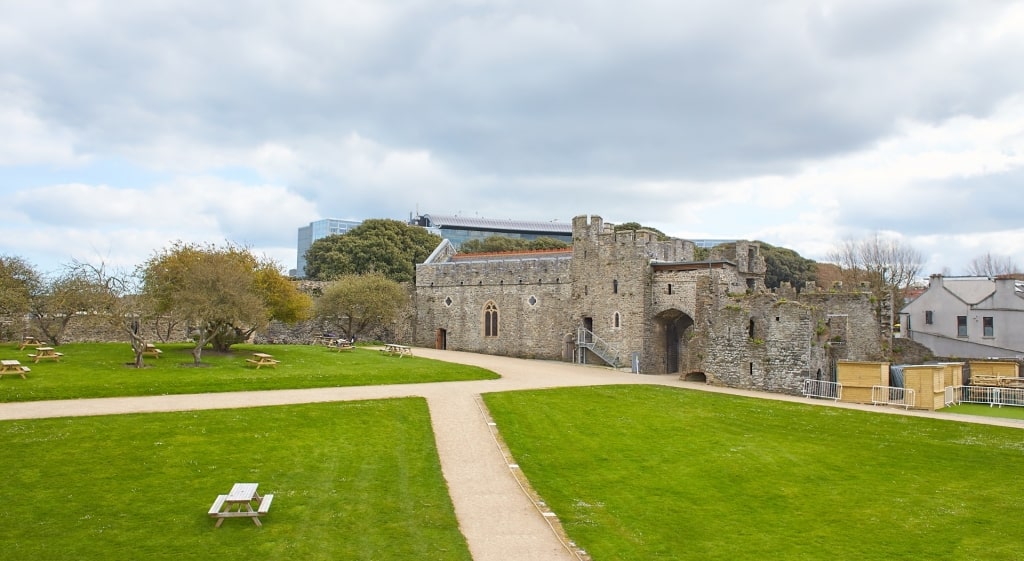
(499, 225)
(507, 255)
(971, 290)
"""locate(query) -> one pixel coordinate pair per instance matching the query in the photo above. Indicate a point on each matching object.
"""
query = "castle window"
(615, 320)
(615, 286)
(532, 300)
(448, 301)
(750, 329)
(670, 288)
(490, 320)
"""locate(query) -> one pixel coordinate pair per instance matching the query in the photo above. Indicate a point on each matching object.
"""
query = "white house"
(968, 317)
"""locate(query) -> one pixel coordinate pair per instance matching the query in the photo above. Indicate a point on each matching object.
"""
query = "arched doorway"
(674, 327)
(696, 377)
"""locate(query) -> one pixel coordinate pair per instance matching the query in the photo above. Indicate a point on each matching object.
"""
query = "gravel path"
(496, 510)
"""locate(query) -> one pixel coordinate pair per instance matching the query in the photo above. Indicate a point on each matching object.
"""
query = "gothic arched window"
(490, 320)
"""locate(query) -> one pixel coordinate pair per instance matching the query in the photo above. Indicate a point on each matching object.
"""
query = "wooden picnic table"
(152, 351)
(400, 350)
(13, 367)
(342, 345)
(239, 503)
(326, 340)
(45, 353)
(29, 341)
(262, 359)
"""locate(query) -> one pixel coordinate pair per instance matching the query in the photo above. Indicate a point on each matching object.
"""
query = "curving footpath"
(497, 512)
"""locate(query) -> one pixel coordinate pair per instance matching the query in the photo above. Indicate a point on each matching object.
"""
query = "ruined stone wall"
(770, 343)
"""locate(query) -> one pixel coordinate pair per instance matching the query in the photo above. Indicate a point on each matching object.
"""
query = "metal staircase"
(585, 339)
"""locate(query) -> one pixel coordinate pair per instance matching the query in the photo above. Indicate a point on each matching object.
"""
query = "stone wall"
(530, 294)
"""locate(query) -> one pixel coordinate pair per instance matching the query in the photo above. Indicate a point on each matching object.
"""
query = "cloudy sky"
(125, 126)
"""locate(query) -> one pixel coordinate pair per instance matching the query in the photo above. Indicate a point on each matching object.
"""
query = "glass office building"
(459, 229)
(315, 231)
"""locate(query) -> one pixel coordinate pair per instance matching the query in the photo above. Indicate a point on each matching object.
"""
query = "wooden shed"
(857, 378)
(929, 382)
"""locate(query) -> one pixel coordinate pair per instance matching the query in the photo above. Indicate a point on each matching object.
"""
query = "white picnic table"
(239, 502)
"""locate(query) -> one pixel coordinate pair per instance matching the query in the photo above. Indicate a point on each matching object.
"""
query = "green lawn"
(355, 480)
(640, 472)
(102, 370)
(1004, 412)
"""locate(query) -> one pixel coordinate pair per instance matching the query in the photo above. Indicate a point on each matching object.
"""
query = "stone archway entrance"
(673, 328)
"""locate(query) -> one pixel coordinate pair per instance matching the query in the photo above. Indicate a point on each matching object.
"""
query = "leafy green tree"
(786, 265)
(390, 247)
(637, 226)
(224, 293)
(355, 304)
(19, 282)
(502, 244)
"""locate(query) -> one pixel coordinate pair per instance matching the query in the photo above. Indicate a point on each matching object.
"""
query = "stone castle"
(632, 300)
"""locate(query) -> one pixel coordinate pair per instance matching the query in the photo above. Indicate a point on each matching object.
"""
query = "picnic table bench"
(45, 353)
(399, 350)
(30, 341)
(13, 367)
(327, 340)
(238, 503)
(152, 351)
(342, 345)
(262, 359)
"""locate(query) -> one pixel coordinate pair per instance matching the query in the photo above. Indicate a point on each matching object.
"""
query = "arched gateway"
(672, 330)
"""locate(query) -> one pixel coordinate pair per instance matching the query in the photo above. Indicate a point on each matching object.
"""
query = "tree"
(19, 282)
(223, 293)
(991, 266)
(60, 299)
(884, 263)
(636, 226)
(390, 247)
(502, 244)
(120, 302)
(354, 304)
(786, 265)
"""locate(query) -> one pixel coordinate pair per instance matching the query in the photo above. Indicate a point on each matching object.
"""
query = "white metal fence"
(823, 389)
(989, 395)
(890, 395)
